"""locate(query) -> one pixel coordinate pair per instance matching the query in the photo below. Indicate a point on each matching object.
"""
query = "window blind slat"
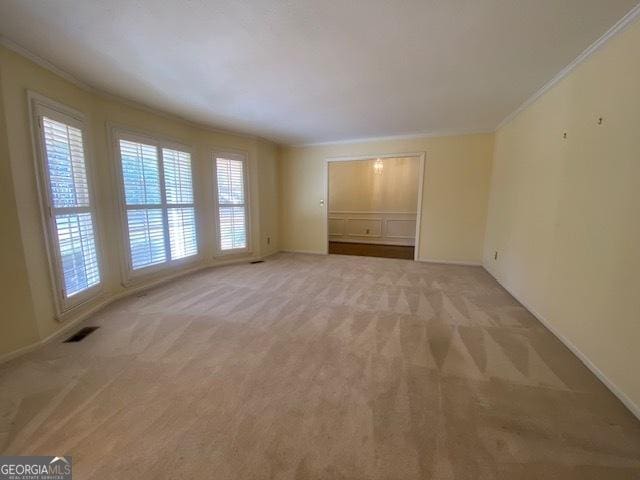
(179, 190)
(146, 237)
(232, 228)
(69, 189)
(144, 186)
(77, 252)
(230, 181)
(231, 204)
(140, 173)
(65, 164)
(182, 232)
(177, 176)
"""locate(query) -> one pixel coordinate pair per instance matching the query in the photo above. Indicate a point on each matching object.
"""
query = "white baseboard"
(64, 329)
(105, 301)
(423, 260)
(19, 352)
(449, 262)
(626, 401)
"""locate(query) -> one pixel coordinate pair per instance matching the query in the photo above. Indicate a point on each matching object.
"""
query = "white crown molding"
(408, 136)
(619, 27)
(47, 65)
(616, 29)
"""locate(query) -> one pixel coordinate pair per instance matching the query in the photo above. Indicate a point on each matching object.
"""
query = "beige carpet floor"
(319, 367)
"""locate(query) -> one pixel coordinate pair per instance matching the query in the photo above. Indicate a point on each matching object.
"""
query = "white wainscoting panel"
(386, 228)
(364, 227)
(400, 228)
(336, 226)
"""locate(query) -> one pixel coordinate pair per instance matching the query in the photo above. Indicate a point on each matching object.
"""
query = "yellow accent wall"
(564, 214)
(25, 276)
(268, 201)
(356, 186)
(17, 322)
(454, 199)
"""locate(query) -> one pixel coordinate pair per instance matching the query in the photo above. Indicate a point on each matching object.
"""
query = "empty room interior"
(320, 240)
(373, 206)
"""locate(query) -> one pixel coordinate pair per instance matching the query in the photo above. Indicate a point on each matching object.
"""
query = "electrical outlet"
(495, 255)
(367, 232)
(268, 240)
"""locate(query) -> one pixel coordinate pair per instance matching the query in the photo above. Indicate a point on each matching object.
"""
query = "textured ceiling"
(310, 71)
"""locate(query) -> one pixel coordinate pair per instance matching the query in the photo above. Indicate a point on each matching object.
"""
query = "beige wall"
(355, 186)
(17, 324)
(269, 197)
(454, 200)
(20, 75)
(564, 214)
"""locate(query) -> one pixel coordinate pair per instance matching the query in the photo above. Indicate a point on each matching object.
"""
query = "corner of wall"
(19, 326)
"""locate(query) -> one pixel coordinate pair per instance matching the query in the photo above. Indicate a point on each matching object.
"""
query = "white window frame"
(39, 106)
(129, 274)
(244, 158)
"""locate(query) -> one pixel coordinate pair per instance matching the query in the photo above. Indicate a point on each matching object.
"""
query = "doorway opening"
(373, 205)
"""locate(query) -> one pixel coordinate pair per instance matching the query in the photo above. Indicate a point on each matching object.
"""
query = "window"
(67, 203)
(181, 214)
(159, 206)
(232, 205)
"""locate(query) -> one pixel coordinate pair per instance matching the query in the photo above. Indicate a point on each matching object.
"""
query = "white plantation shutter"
(143, 200)
(146, 237)
(69, 202)
(158, 195)
(65, 162)
(77, 252)
(177, 176)
(140, 173)
(181, 212)
(182, 232)
(232, 218)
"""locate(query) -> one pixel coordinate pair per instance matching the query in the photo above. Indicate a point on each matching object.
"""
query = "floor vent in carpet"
(257, 261)
(80, 334)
